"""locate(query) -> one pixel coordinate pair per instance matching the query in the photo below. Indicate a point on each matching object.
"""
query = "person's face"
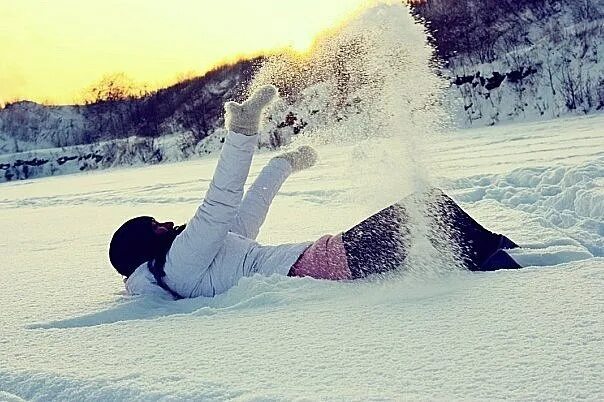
(161, 229)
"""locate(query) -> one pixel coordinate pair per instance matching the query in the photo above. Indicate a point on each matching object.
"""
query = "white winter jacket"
(217, 248)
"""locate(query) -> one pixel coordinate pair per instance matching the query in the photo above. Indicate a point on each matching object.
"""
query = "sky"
(51, 51)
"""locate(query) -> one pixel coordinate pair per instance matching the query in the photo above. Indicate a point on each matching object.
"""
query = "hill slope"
(192, 107)
(519, 60)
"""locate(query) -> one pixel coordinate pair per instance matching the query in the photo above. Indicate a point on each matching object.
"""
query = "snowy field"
(70, 333)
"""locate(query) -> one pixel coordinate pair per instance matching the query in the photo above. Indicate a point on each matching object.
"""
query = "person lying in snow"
(217, 247)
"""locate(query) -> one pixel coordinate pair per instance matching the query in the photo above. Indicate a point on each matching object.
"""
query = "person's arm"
(200, 241)
(258, 198)
(206, 231)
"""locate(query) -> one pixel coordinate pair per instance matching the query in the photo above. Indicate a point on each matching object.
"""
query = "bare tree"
(114, 87)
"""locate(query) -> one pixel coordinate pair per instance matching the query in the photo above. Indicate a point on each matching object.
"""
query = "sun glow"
(52, 51)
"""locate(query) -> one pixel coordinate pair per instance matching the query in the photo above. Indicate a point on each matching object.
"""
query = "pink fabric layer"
(324, 259)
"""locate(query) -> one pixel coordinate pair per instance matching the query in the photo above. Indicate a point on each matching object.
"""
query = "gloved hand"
(300, 159)
(244, 118)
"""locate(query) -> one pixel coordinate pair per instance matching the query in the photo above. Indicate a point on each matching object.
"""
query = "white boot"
(244, 118)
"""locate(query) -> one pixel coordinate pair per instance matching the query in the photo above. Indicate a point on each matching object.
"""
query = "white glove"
(244, 118)
(300, 159)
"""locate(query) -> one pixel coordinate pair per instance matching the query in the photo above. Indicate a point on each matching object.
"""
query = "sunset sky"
(50, 51)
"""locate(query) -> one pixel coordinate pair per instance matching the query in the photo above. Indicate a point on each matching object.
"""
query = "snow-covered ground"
(70, 333)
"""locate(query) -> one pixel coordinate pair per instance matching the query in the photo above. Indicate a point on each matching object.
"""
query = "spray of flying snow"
(370, 84)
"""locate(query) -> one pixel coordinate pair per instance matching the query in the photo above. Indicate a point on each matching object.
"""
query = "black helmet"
(133, 244)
